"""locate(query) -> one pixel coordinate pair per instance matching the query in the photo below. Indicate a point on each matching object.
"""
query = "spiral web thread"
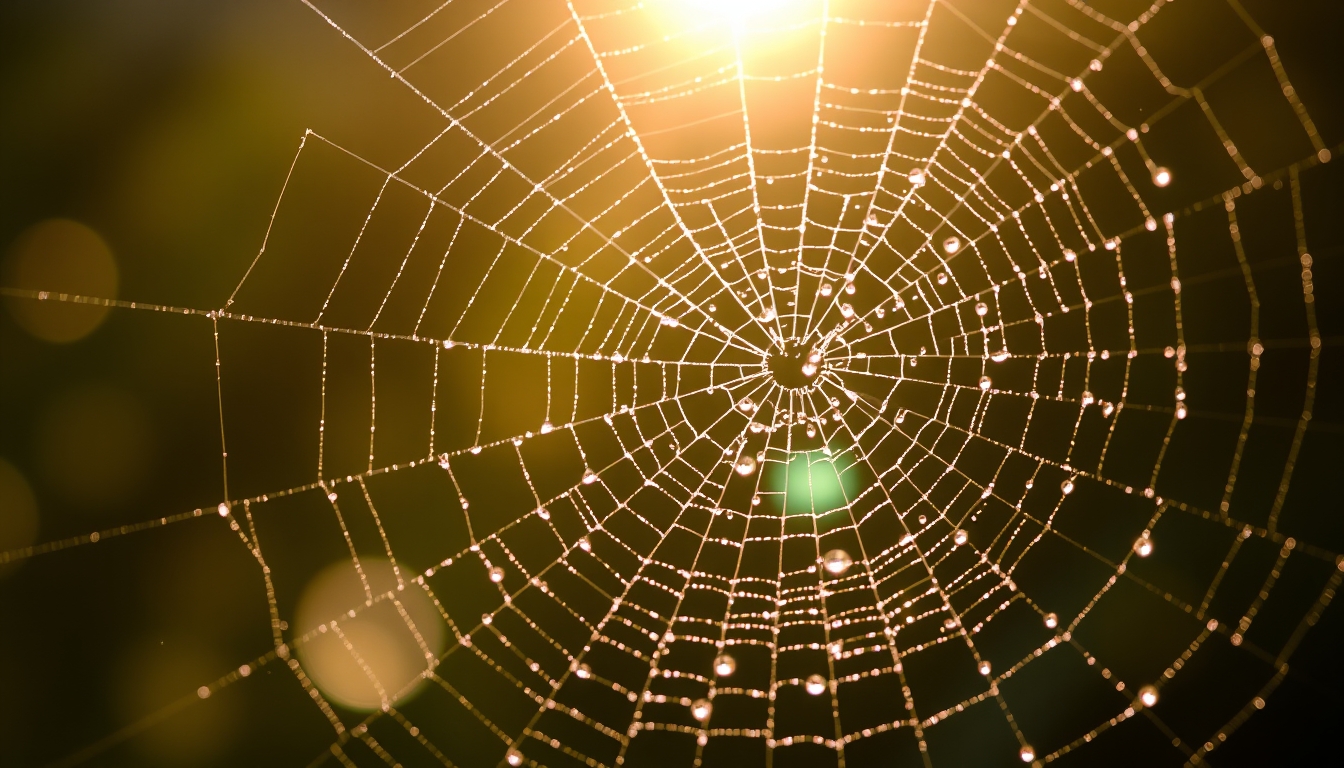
(972, 234)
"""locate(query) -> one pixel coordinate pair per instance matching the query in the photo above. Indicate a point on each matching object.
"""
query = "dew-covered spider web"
(841, 382)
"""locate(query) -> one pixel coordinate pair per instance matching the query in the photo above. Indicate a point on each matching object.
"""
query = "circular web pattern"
(794, 383)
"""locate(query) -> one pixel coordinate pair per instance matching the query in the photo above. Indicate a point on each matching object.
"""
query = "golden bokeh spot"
(380, 655)
(60, 256)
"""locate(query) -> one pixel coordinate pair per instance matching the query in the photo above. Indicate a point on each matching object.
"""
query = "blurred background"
(147, 141)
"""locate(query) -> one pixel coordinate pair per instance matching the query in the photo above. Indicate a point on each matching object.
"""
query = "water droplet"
(701, 709)
(837, 561)
(1027, 754)
(1148, 695)
(724, 665)
(815, 685)
(1051, 621)
(745, 466)
(1143, 547)
(1161, 177)
(496, 574)
(951, 245)
(981, 308)
(986, 383)
(960, 537)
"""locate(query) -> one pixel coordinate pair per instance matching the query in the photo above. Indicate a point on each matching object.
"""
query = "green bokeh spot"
(811, 483)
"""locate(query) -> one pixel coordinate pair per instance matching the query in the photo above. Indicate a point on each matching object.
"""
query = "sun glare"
(741, 15)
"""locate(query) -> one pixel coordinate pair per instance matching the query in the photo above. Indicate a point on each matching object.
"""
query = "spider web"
(1026, 246)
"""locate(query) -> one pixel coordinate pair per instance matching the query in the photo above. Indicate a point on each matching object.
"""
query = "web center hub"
(796, 366)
